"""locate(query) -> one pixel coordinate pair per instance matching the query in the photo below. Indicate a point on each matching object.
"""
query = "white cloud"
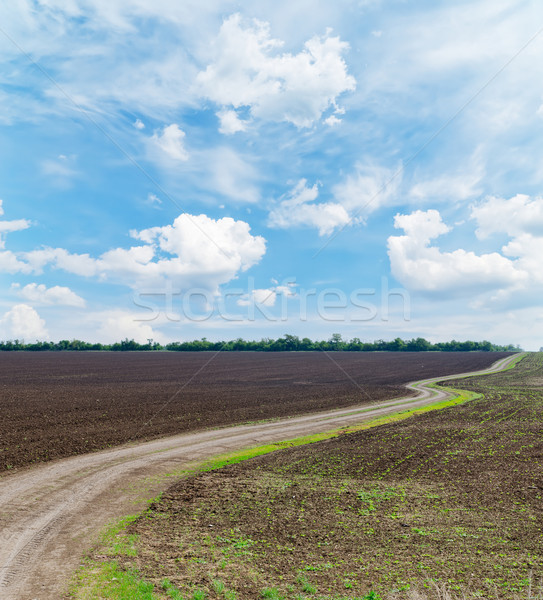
(422, 226)
(139, 124)
(80, 264)
(154, 200)
(423, 267)
(170, 141)
(521, 219)
(460, 187)
(56, 295)
(332, 120)
(104, 66)
(218, 249)
(286, 290)
(367, 189)
(24, 323)
(267, 296)
(9, 227)
(9, 263)
(516, 216)
(359, 194)
(263, 297)
(195, 251)
(298, 209)
(528, 249)
(230, 122)
(249, 71)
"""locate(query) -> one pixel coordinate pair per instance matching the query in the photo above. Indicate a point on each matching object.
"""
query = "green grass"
(171, 591)
(105, 581)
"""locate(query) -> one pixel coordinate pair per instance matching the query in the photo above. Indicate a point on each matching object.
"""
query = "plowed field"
(453, 497)
(54, 405)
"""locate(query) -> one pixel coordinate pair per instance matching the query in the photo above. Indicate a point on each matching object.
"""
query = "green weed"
(107, 581)
(171, 591)
(271, 594)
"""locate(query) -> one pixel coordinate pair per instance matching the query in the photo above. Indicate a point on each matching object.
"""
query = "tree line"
(286, 343)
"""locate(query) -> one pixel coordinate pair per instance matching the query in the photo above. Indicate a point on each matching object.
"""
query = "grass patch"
(105, 581)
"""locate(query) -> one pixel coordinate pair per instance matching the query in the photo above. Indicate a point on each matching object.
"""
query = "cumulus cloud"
(359, 194)
(230, 122)
(298, 208)
(516, 216)
(170, 141)
(195, 251)
(10, 263)
(263, 297)
(56, 295)
(423, 267)
(249, 71)
(267, 296)
(528, 250)
(332, 120)
(521, 219)
(24, 323)
(422, 226)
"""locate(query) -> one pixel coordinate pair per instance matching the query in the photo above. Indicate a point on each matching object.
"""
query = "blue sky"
(174, 170)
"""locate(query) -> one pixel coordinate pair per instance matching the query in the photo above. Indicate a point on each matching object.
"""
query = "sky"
(179, 170)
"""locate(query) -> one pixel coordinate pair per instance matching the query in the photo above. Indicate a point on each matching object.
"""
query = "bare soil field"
(54, 405)
(452, 496)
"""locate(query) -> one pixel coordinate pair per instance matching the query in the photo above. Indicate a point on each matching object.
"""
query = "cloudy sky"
(174, 170)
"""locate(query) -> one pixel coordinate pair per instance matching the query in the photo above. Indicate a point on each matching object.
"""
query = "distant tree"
(355, 345)
(288, 342)
(418, 345)
(336, 342)
(306, 344)
(398, 345)
(291, 342)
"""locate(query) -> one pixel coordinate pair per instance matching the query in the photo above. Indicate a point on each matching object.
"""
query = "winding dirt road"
(50, 515)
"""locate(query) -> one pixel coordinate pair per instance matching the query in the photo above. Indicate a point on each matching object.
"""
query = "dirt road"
(50, 515)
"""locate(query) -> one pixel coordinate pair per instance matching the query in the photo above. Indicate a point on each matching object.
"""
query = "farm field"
(54, 405)
(452, 496)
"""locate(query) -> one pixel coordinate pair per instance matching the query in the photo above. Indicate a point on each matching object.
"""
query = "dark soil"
(454, 496)
(55, 405)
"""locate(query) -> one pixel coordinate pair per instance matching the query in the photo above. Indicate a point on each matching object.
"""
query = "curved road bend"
(51, 514)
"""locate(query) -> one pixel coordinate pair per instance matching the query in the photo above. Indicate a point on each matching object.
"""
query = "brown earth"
(454, 496)
(54, 405)
(50, 514)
